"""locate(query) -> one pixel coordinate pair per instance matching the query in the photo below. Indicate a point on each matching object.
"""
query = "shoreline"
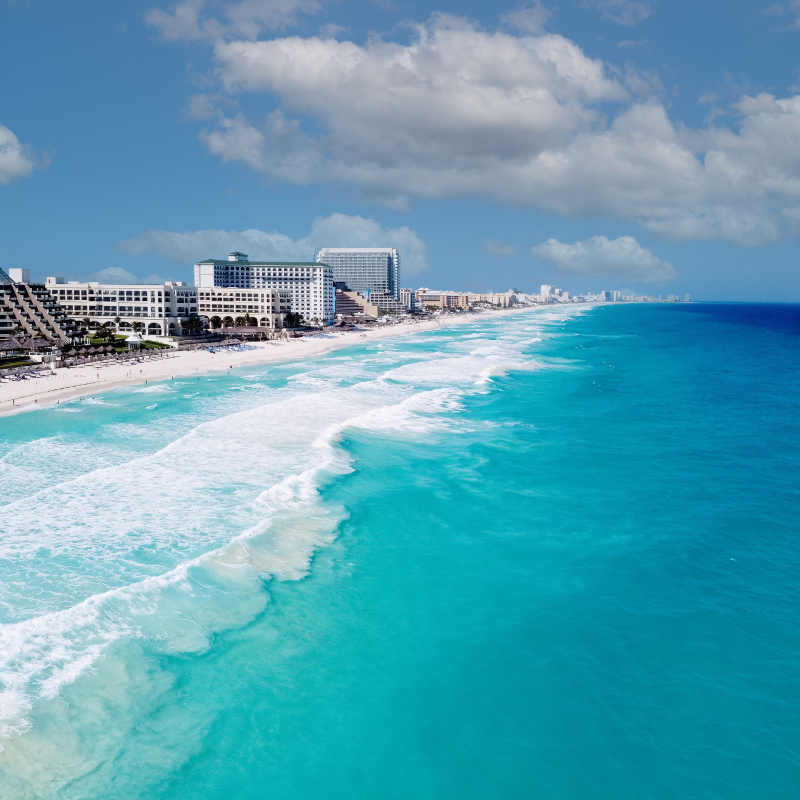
(89, 379)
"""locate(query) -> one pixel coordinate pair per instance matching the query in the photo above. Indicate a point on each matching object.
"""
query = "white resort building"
(29, 311)
(308, 286)
(364, 269)
(221, 307)
(159, 308)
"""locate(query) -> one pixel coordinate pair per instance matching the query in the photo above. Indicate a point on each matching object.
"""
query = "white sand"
(90, 379)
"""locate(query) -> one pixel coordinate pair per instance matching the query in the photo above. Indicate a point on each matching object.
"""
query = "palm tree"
(247, 320)
(138, 327)
(193, 326)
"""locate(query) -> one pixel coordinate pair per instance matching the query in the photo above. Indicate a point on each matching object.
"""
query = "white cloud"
(191, 20)
(529, 17)
(336, 230)
(495, 247)
(520, 119)
(453, 104)
(619, 259)
(16, 159)
(120, 275)
(623, 12)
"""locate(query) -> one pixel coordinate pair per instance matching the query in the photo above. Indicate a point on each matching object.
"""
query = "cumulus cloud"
(16, 159)
(790, 9)
(191, 20)
(120, 275)
(336, 230)
(623, 12)
(495, 247)
(619, 259)
(528, 17)
(519, 118)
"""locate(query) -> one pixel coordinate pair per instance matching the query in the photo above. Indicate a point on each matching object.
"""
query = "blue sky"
(588, 143)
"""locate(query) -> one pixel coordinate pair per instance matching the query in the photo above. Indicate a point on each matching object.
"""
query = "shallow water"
(548, 556)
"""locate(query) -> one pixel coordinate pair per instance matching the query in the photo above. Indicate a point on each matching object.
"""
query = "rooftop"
(356, 249)
(226, 263)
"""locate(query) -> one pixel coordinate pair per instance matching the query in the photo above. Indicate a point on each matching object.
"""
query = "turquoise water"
(549, 556)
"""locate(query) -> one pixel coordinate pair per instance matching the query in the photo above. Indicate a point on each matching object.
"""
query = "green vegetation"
(16, 362)
(119, 344)
(294, 319)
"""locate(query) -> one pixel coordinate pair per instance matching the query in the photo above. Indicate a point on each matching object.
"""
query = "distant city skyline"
(633, 145)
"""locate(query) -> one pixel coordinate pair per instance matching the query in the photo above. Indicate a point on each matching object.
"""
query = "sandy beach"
(64, 384)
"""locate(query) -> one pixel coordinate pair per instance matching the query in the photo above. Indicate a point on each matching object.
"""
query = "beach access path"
(63, 384)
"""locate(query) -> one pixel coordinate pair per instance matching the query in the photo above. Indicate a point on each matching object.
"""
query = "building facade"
(430, 299)
(221, 307)
(499, 299)
(408, 298)
(364, 269)
(30, 311)
(158, 307)
(307, 285)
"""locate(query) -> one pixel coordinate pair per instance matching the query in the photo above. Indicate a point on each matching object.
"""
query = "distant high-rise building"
(408, 298)
(364, 269)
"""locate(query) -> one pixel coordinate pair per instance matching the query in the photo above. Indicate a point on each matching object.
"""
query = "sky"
(641, 145)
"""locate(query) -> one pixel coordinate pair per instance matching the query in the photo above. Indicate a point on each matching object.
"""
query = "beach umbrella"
(91, 351)
(82, 351)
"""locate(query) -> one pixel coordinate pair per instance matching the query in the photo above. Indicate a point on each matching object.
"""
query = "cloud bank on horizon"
(618, 259)
(510, 115)
(336, 230)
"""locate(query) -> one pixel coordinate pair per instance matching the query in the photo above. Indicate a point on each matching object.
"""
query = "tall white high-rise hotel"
(364, 269)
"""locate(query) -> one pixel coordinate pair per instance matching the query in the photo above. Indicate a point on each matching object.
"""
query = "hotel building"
(30, 311)
(159, 307)
(221, 306)
(364, 269)
(408, 298)
(429, 299)
(307, 285)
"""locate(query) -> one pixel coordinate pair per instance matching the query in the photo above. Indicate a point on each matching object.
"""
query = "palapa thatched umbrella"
(82, 351)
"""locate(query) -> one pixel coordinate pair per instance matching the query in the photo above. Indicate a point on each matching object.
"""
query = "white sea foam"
(155, 388)
(142, 551)
(172, 502)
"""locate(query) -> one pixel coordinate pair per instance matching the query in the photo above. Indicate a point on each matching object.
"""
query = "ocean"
(552, 555)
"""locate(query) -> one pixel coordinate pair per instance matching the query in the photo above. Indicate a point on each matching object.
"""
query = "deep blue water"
(550, 556)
